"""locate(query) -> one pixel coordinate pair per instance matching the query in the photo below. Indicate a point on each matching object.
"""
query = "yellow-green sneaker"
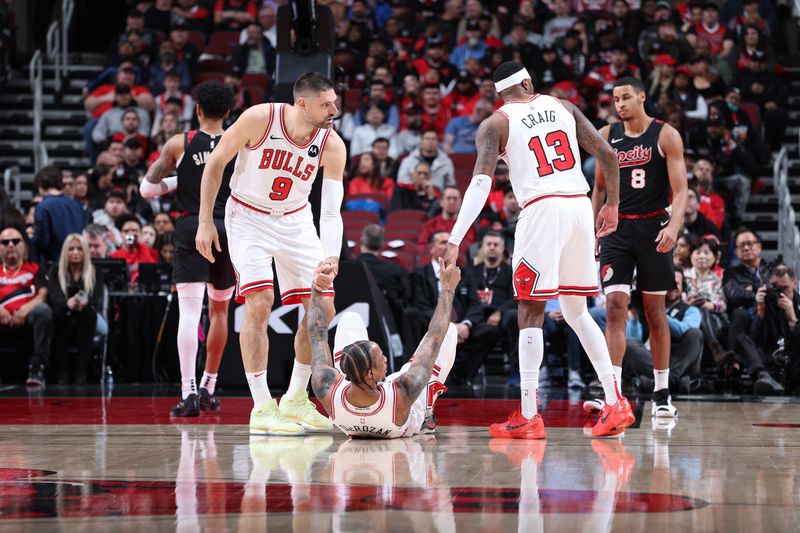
(266, 419)
(301, 410)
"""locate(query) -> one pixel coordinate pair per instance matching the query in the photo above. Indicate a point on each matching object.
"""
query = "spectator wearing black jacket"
(759, 84)
(420, 195)
(75, 293)
(392, 280)
(741, 285)
(475, 337)
(256, 55)
(491, 277)
(694, 221)
(56, 217)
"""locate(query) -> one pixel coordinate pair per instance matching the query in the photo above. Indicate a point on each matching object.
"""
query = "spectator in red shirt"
(711, 204)
(464, 96)
(720, 38)
(132, 251)
(451, 205)
(234, 14)
(23, 290)
(434, 114)
(368, 179)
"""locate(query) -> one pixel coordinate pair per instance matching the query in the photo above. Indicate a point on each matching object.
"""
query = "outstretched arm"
(323, 374)
(154, 183)
(491, 135)
(416, 378)
(331, 226)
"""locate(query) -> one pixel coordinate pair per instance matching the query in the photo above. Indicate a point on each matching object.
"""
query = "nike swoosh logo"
(275, 138)
(259, 375)
(512, 428)
(614, 141)
(664, 223)
(603, 419)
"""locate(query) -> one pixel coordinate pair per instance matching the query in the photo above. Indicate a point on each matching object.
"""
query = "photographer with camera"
(775, 327)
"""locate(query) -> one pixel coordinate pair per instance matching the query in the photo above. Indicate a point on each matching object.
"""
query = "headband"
(516, 78)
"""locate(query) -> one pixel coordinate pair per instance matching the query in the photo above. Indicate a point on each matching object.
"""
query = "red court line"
(155, 410)
(37, 498)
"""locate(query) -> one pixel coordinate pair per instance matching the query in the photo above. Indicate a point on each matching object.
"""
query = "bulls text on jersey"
(282, 160)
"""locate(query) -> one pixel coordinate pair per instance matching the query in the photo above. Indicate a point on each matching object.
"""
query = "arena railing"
(35, 76)
(10, 175)
(67, 10)
(788, 233)
(54, 53)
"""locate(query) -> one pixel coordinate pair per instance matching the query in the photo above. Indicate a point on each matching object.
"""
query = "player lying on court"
(361, 399)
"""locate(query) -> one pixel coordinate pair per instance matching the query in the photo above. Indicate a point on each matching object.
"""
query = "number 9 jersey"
(276, 173)
(542, 150)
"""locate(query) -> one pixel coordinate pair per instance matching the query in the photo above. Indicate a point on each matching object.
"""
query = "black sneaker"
(208, 402)
(188, 407)
(662, 404)
(429, 425)
(35, 377)
(767, 385)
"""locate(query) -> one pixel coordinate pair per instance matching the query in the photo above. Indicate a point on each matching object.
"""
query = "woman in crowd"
(75, 292)
(368, 180)
(163, 223)
(704, 291)
(149, 235)
(165, 246)
(681, 254)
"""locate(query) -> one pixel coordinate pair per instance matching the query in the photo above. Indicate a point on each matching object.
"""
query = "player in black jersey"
(651, 165)
(192, 273)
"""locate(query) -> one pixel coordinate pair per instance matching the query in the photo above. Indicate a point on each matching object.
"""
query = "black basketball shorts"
(191, 267)
(633, 247)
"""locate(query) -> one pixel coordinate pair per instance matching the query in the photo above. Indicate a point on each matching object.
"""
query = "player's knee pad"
(191, 290)
(219, 295)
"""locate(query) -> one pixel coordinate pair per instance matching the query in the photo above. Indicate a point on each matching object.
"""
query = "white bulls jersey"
(377, 420)
(275, 174)
(542, 151)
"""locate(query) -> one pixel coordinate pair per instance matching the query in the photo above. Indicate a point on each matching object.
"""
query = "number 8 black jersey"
(643, 177)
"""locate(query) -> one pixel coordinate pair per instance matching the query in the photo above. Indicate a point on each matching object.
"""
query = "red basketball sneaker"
(519, 427)
(614, 419)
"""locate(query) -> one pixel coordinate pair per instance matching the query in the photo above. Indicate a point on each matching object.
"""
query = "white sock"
(618, 373)
(190, 307)
(531, 353)
(257, 381)
(300, 375)
(188, 386)
(209, 382)
(661, 379)
(609, 382)
(589, 333)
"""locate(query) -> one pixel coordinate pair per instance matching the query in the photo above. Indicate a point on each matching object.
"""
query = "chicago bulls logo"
(525, 277)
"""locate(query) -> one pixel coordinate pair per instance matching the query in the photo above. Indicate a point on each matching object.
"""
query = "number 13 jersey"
(542, 149)
(276, 173)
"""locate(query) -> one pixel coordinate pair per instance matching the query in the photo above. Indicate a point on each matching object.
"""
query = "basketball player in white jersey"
(539, 137)
(361, 399)
(280, 148)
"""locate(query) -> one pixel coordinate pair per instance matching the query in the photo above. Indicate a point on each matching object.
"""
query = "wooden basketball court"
(120, 464)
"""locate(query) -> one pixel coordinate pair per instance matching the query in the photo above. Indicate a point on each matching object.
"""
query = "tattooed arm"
(594, 143)
(491, 136)
(154, 183)
(323, 374)
(413, 382)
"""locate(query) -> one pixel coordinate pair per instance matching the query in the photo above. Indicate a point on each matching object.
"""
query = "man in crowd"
(420, 194)
(97, 238)
(459, 137)
(392, 280)
(23, 291)
(133, 251)
(442, 170)
(694, 221)
(56, 217)
(451, 205)
(741, 285)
